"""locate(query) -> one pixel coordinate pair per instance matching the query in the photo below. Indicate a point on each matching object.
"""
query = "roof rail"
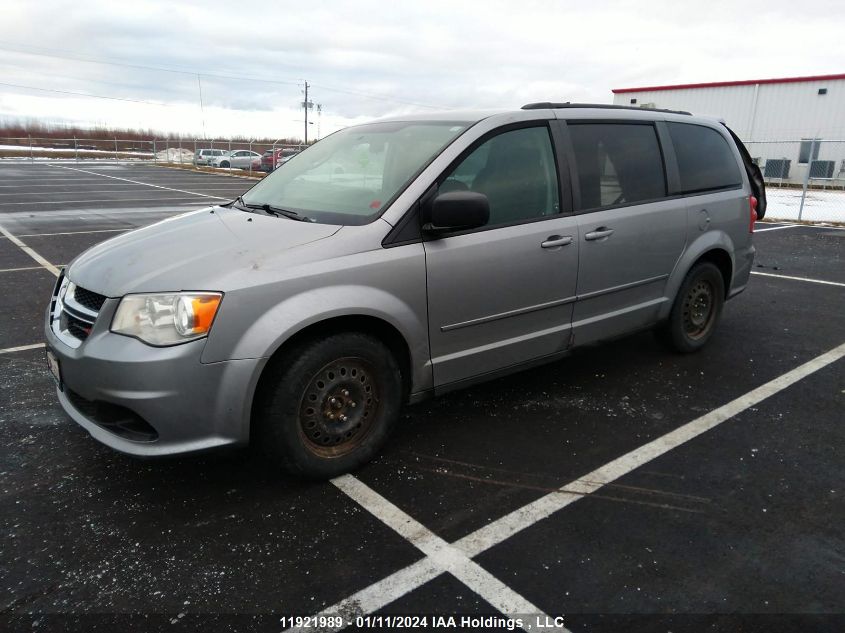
(548, 105)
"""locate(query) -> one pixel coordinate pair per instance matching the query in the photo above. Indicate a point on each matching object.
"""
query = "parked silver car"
(240, 159)
(397, 260)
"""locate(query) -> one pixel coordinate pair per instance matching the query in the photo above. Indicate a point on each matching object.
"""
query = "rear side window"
(617, 163)
(705, 159)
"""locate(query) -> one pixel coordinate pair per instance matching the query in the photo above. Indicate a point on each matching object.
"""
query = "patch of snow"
(819, 206)
(24, 149)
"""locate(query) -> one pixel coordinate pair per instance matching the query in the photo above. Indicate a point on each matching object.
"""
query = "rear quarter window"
(705, 159)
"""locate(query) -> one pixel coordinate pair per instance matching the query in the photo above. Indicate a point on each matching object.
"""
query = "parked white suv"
(204, 156)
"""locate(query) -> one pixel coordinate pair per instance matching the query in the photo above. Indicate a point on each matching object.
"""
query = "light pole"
(202, 108)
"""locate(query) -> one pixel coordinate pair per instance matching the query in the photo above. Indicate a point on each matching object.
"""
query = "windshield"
(351, 176)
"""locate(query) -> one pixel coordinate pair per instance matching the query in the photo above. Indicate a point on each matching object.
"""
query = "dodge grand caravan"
(395, 260)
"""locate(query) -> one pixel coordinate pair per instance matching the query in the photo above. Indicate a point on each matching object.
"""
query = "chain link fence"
(253, 157)
(249, 156)
(805, 179)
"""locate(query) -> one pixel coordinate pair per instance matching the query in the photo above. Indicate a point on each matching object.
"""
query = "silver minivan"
(397, 260)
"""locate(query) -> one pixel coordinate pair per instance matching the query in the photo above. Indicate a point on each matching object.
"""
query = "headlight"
(166, 319)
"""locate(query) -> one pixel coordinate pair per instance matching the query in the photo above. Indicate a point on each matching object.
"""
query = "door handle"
(554, 241)
(598, 234)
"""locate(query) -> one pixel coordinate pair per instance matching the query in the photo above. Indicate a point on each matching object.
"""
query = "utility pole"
(305, 105)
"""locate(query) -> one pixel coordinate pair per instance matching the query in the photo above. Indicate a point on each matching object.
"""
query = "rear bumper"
(191, 406)
(743, 263)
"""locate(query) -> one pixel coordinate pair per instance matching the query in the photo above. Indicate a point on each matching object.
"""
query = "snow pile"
(175, 155)
(819, 206)
(25, 149)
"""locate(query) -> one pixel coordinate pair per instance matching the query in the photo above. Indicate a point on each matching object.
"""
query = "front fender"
(264, 336)
(709, 241)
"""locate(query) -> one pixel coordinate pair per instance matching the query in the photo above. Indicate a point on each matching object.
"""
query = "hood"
(201, 250)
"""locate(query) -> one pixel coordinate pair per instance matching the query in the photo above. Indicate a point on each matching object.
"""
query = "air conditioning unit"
(822, 169)
(777, 168)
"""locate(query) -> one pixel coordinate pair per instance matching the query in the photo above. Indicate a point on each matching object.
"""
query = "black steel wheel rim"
(699, 309)
(339, 407)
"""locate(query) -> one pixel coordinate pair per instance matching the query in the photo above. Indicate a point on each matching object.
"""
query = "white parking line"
(148, 199)
(381, 593)
(824, 226)
(37, 181)
(812, 281)
(809, 226)
(441, 554)
(776, 228)
(505, 527)
(76, 232)
(137, 182)
(86, 182)
(25, 181)
(21, 348)
(26, 249)
(398, 584)
(14, 270)
(88, 191)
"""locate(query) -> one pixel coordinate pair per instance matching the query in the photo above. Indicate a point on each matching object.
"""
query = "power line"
(92, 60)
(85, 94)
(92, 80)
(371, 96)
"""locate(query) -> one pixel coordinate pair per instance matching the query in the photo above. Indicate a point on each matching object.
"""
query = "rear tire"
(696, 311)
(328, 405)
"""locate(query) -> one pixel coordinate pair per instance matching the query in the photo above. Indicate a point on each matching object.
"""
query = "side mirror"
(457, 211)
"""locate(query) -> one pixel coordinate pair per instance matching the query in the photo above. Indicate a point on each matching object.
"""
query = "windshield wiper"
(268, 209)
(278, 211)
(240, 204)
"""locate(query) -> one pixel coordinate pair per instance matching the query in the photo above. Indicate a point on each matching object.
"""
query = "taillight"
(752, 208)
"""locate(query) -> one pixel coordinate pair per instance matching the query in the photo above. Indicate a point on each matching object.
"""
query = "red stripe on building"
(722, 84)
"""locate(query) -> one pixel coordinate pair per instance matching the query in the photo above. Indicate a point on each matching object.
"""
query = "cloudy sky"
(365, 59)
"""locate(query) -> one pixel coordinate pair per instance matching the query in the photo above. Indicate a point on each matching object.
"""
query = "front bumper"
(191, 405)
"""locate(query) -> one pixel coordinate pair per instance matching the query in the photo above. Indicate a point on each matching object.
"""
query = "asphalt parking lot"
(623, 488)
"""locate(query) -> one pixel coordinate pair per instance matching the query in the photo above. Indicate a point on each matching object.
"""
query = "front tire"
(328, 405)
(225, 164)
(696, 311)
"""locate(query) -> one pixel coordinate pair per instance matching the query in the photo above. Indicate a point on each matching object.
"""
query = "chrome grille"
(77, 328)
(90, 300)
(73, 311)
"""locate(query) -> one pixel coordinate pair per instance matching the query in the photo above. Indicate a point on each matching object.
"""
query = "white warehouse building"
(794, 126)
